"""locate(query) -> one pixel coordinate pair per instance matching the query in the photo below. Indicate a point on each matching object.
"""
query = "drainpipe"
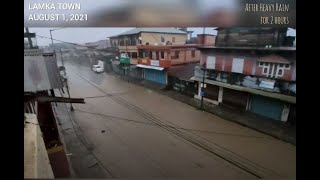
(185, 55)
(202, 88)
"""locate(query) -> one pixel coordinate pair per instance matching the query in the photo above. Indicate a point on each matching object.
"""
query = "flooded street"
(127, 131)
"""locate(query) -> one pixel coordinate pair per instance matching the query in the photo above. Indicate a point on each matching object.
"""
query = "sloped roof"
(40, 71)
(183, 72)
(274, 59)
(154, 30)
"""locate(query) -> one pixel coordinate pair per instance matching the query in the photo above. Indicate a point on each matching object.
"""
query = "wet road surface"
(128, 131)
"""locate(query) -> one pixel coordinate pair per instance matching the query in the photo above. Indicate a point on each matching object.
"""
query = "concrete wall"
(185, 56)
(225, 62)
(206, 39)
(36, 161)
(153, 38)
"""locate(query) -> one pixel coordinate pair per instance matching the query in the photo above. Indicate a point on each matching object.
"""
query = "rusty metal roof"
(40, 71)
(274, 59)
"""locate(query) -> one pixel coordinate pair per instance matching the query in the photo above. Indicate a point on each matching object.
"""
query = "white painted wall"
(211, 62)
(237, 65)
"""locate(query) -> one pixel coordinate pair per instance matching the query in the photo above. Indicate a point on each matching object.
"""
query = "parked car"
(97, 68)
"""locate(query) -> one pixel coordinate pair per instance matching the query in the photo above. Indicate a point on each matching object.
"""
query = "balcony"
(150, 62)
(251, 82)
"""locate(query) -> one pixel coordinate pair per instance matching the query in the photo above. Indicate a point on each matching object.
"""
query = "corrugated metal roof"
(154, 30)
(40, 71)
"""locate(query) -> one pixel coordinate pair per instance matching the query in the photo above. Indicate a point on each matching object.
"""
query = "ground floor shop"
(261, 105)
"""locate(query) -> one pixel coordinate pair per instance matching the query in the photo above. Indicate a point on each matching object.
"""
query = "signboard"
(211, 62)
(144, 61)
(154, 62)
(124, 60)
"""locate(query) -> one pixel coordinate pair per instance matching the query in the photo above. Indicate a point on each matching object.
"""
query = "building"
(147, 53)
(179, 79)
(206, 39)
(153, 61)
(128, 41)
(251, 69)
(44, 155)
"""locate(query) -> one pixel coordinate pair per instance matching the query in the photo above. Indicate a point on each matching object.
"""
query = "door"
(233, 98)
(156, 76)
(267, 107)
(211, 92)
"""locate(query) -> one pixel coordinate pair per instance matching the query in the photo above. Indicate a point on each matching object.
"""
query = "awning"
(150, 67)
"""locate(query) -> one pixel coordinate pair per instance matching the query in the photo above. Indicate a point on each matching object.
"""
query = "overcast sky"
(84, 35)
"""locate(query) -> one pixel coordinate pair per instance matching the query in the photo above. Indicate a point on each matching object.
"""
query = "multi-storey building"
(128, 41)
(151, 52)
(252, 69)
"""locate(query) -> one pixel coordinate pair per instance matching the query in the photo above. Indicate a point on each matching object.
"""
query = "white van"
(99, 67)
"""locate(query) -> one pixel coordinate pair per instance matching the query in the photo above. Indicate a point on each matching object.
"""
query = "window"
(162, 55)
(280, 72)
(157, 55)
(146, 54)
(173, 39)
(261, 64)
(281, 65)
(140, 54)
(162, 39)
(176, 54)
(193, 53)
(150, 54)
(134, 55)
(287, 66)
(265, 70)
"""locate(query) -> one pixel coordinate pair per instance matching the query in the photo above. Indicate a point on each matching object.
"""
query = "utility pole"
(204, 73)
(51, 36)
(202, 85)
(67, 86)
(62, 62)
(29, 38)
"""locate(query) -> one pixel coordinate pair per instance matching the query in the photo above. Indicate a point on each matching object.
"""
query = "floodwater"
(127, 131)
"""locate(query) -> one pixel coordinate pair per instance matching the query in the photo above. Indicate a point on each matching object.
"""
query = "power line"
(174, 127)
(71, 43)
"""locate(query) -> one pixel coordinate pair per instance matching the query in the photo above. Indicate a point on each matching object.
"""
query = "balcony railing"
(264, 84)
